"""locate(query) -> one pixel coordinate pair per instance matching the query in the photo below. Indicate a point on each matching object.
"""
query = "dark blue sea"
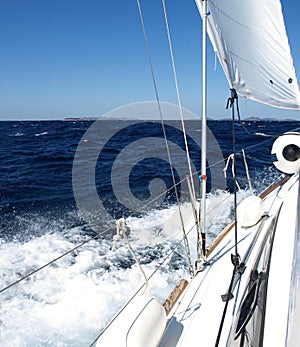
(63, 185)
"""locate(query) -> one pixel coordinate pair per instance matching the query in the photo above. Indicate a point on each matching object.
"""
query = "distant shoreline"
(248, 119)
(79, 119)
(92, 119)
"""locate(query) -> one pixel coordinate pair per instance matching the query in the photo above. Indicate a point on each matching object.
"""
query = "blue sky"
(75, 58)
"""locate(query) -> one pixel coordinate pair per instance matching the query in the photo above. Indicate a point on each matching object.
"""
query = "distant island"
(79, 119)
(248, 119)
(257, 119)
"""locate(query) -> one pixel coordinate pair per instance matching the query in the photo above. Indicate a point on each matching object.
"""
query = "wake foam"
(69, 302)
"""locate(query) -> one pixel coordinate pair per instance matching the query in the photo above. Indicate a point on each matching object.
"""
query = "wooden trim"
(174, 295)
(271, 188)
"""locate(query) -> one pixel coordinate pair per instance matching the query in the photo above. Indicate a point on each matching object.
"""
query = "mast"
(203, 132)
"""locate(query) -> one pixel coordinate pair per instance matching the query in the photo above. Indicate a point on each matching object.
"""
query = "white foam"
(41, 134)
(69, 303)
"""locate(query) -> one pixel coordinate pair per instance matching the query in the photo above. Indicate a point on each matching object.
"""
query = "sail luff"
(250, 40)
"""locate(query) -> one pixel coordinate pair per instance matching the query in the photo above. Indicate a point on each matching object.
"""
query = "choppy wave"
(41, 134)
(69, 302)
(262, 134)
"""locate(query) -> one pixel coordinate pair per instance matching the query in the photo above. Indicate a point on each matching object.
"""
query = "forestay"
(250, 40)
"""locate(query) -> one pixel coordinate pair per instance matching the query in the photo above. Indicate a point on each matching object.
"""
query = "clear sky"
(75, 58)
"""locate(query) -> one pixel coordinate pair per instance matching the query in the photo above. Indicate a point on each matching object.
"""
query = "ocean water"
(46, 201)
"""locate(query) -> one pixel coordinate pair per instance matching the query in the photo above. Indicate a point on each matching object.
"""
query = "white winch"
(287, 150)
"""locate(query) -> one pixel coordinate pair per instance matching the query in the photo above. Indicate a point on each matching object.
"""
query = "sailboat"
(244, 289)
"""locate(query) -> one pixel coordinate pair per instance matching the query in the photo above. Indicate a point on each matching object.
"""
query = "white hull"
(197, 316)
(269, 252)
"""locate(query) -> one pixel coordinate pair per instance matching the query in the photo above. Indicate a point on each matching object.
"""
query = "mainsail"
(250, 40)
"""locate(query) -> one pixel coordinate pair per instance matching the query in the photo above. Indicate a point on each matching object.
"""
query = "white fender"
(250, 211)
(140, 324)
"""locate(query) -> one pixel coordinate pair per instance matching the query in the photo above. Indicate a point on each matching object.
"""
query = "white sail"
(250, 40)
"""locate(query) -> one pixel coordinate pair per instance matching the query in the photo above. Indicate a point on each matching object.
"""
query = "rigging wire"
(178, 97)
(165, 136)
(203, 176)
(232, 100)
(52, 261)
(121, 231)
(235, 258)
(240, 120)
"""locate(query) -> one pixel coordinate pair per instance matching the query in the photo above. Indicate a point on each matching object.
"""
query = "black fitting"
(235, 259)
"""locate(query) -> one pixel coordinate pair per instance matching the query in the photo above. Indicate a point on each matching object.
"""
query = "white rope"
(121, 231)
(247, 171)
(230, 157)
